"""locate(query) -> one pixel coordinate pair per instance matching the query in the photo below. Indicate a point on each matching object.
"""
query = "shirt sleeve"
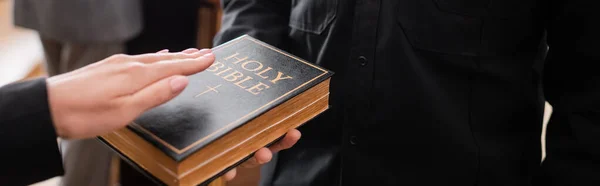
(266, 20)
(27, 135)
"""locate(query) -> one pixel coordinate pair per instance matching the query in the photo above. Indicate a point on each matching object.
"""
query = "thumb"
(230, 175)
(158, 93)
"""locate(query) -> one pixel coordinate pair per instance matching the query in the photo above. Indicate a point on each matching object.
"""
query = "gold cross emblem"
(213, 89)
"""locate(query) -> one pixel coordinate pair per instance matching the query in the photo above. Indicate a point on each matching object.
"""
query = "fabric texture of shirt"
(27, 135)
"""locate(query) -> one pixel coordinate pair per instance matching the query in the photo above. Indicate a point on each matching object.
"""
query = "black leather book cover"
(247, 78)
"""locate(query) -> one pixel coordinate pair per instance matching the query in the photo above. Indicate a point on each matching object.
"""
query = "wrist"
(54, 107)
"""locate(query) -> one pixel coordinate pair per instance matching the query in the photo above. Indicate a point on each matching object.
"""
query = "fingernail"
(164, 51)
(178, 83)
(190, 51)
(201, 51)
(208, 54)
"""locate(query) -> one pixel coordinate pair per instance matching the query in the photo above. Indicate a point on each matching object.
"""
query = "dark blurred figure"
(76, 33)
(167, 25)
(438, 92)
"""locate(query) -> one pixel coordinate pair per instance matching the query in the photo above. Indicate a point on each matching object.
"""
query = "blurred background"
(166, 25)
(20, 50)
(174, 26)
(22, 55)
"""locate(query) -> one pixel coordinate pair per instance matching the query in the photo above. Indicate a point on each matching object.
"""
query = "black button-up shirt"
(438, 92)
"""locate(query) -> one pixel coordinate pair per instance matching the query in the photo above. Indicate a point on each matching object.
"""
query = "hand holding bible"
(264, 155)
(240, 110)
(109, 94)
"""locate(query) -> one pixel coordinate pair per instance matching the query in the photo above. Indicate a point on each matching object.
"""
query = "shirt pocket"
(468, 27)
(312, 16)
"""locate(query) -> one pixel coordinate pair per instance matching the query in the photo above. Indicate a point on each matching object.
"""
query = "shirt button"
(362, 60)
(353, 140)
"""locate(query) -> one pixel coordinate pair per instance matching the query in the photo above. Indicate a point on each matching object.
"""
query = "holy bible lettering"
(248, 98)
(253, 67)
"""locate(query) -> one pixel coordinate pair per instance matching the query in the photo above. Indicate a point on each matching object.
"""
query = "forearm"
(27, 134)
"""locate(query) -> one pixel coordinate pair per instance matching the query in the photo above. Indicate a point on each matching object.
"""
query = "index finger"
(143, 75)
(162, 56)
(261, 156)
(169, 68)
(291, 137)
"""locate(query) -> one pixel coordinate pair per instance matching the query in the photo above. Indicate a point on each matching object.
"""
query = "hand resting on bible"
(111, 93)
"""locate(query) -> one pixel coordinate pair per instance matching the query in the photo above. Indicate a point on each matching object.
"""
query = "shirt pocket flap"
(312, 16)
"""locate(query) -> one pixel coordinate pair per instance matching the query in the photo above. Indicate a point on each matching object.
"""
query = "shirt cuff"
(29, 138)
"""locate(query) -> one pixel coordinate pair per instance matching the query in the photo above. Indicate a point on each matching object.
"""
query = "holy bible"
(248, 98)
